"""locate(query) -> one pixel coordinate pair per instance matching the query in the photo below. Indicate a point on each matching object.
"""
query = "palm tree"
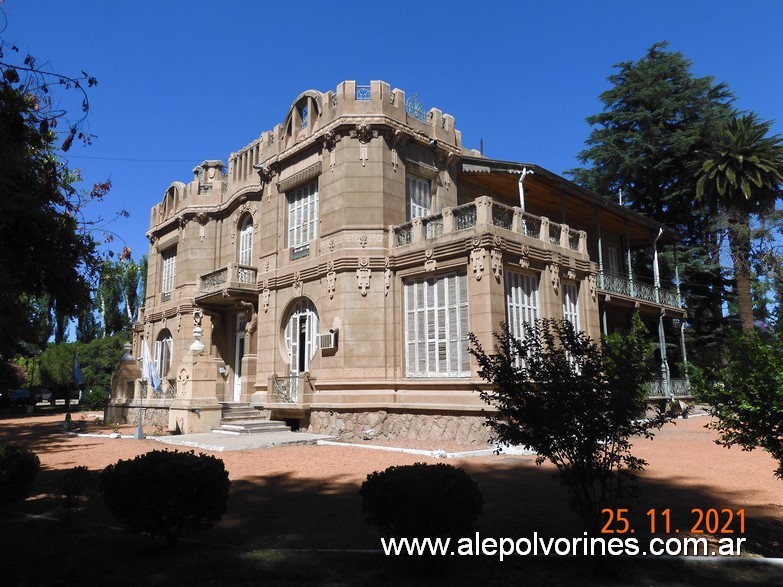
(741, 176)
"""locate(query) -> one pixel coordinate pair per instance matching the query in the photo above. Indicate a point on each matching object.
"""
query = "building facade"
(333, 270)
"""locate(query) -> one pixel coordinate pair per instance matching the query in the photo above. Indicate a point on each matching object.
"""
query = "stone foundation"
(129, 414)
(467, 429)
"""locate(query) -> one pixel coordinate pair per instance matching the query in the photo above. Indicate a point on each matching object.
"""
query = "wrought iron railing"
(414, 107)
(675, 387)
(286, 389)
(530, 225)
(464, 216)
(554, 233)
(433, 226)
(214, 279)
(502, 216)
(637, 289)
(404, 234)
(234, 272)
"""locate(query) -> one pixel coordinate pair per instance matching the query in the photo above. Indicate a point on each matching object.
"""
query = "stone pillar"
(122, 386)
(196, 408)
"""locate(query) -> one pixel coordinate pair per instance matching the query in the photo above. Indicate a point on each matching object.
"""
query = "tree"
(576, 403)
(746, 396)
(46, 250)
(658, 119)
(742, 176)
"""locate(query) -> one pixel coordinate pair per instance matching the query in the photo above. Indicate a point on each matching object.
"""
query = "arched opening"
(245, 256)
(164, 352)
(300, 332)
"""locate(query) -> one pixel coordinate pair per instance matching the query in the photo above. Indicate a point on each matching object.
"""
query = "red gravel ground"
(306, 496)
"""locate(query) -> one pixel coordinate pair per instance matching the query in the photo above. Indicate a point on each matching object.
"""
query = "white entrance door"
(238, 354)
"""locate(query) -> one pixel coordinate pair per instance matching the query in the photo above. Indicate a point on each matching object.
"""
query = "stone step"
(252, 427)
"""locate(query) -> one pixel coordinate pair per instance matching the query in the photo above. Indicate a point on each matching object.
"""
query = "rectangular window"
(169, 272)
(613, 261)
(303, 215)
(419, 197)
(521, 301)
(571, 303)
(436, 326)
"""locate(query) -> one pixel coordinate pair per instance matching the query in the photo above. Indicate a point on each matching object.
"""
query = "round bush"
(163, 493)
(18, 470)
(421, 500)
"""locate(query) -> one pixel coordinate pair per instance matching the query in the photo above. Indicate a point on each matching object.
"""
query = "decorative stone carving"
(363, 274)
(571, 274)
(331, 245)
(496, 259)
(387, 277)
(265, 173)
(395, 159)
(331, 279)
(197, 346)
(554, 275)
(265, 299)
(363, 240)
(524, 261)
(477, 262)
(297, 283)
(430, 264)
(592, 285)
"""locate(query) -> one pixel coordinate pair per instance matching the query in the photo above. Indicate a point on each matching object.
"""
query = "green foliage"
(18, 469)
(657, 124)
(742, 175)
(94, 399)
(54, 259)
(421, 500)
(746, 396)
(164, 493)
(575, 403)
(97, 359)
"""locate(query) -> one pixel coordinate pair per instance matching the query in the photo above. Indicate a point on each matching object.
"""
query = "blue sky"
(180, 82)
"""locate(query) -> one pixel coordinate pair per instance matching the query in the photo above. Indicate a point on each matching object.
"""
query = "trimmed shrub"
(421, 500)
(18, 470)
(72, 485)
(163, 493)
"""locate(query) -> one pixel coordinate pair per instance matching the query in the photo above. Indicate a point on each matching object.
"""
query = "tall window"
(436, 326)
(521, 301)
(303, 214)
(246, 241)
(419, 197)
(571, 303)
(164, 351)
(169, 271)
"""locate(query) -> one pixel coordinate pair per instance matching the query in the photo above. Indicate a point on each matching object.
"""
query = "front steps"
(239, 418)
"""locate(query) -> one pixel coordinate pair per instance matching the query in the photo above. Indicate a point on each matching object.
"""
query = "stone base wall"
(158, 416)
(467, 429)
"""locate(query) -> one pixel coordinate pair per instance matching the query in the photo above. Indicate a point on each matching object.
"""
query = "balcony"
(223, 286)
(638, 290)
(484, 211)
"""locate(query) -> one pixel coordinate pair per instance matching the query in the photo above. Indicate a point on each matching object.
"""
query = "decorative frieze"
(387, 276)
(331, 279)
(430, 264)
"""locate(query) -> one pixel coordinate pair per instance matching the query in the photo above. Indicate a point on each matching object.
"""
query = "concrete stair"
(239, 418)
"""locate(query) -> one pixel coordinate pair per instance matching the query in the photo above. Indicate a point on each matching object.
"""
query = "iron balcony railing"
(286, 389)
(233, 273)
(672, 387)
(633, 288)
(467, 216)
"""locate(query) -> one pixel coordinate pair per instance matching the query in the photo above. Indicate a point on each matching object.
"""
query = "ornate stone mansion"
(333, 270)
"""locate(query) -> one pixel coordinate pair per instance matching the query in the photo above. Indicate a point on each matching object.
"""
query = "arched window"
(246, 241)
(164, 351)
(301, 329)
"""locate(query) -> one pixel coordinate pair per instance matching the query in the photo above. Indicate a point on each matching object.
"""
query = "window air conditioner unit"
(328, 340)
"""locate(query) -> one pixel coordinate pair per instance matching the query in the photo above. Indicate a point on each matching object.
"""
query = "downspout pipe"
(521, 183)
